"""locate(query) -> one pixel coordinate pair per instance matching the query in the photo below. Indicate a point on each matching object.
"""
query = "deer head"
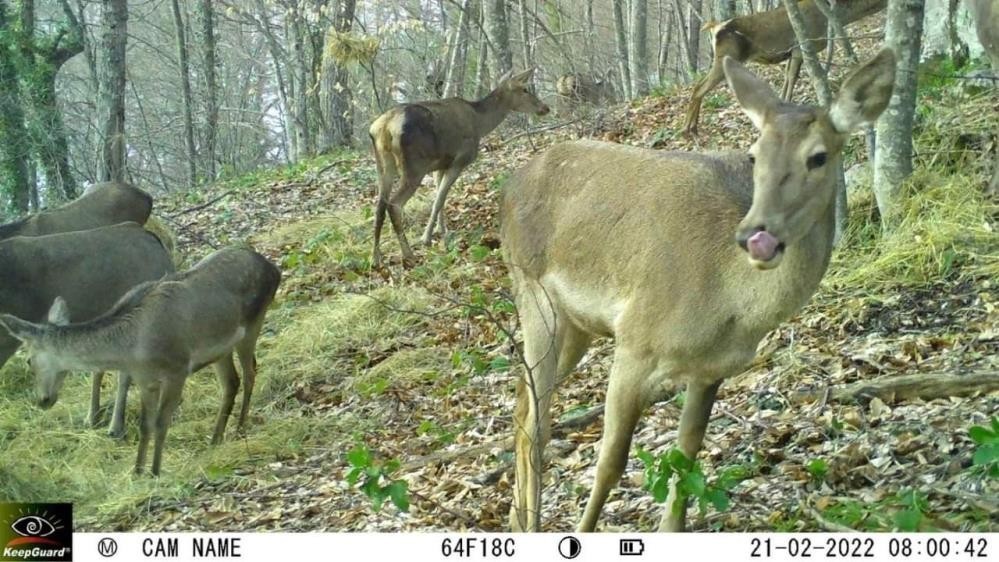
(41, 343)
(797, 153)
(516, 93)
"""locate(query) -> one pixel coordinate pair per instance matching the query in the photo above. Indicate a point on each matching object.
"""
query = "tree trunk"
(211, 86)
(694, 35)
(724, 9)
(482, 61)
(13, 156)
(185, 87)
(499, 36)
(638, 53)
(42, 57)
(621, 39)
(455, 81)
(114, 24)
(341, 99)
(525, 36)
(591, 38)
(893, 157)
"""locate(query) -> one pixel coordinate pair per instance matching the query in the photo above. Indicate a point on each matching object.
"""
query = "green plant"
(691, 481)
(986, 457)
(375, 478)
(817, 468)
(914, 506)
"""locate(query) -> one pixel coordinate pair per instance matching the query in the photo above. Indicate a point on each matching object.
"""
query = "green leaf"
(391, 466)
(479, 253)
(359, 456)
(695, 483)
(980, 434)
(660, 489)
(718, 498)
(986, 454)
(908, 520)
(646, 457)
(398, 491)
(499, 364)
(354, 475)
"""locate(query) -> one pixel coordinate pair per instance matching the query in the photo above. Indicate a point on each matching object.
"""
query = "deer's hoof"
(116, 432)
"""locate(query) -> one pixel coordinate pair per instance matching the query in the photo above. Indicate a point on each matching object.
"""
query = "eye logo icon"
(34, 529)
(33, 526)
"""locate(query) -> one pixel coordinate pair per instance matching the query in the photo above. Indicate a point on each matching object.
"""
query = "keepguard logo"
(33, 532)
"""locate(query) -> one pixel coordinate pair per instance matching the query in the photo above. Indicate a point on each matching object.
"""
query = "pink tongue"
(762, 246)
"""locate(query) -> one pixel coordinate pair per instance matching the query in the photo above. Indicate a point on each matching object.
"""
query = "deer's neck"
(98, 346)
(490, 111)
(781, 292)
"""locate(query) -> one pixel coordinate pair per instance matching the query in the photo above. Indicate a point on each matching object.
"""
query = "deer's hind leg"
(245, 349)
(410, 183)
(387, 176)
(444, 182)
(229, 381)
(552, 348)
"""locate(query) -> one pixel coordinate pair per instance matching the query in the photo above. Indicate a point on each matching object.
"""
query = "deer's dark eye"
(752, 159)
(816, 160)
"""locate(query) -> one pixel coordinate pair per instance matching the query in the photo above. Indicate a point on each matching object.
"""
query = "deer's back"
(429, 134)
(91, 269)
(101, 205)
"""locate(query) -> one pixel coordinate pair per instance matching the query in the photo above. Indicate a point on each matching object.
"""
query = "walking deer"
(987, 27)
(103, 204)
(160, 332)
(767, 38)
(91, 270)
(686, 259)
(442, 137)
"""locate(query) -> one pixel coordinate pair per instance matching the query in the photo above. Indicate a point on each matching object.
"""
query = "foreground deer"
(160, 333)
(767, 38)
(103, 204)
(611, 240)
(443, 137)
(91, 270)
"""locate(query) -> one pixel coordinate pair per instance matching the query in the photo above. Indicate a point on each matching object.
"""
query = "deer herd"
(686, 259)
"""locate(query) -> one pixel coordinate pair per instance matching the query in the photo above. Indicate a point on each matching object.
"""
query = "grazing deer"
(987, 27)
(160, 332)
(103, 204)
(767, 38)
(91, 270)
(442, 137)
(651, 248)
(574, 89)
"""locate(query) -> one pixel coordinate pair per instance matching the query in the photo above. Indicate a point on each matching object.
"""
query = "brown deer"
(686, 259)
(767, 38)
(987, 27)
(442, 137)
(103, 204)
(575, 89)
(91, 270)
(161, 332)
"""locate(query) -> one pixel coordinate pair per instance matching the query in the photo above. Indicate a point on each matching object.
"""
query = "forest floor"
(362, 367)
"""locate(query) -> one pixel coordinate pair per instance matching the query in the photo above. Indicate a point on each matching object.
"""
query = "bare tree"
(893, 157)
(111, 76)
(638, 53)
(499, 36)
(185, 86)
(211, 85)
(621, 39)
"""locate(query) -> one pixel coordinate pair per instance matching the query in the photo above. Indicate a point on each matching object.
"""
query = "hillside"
(414, 365)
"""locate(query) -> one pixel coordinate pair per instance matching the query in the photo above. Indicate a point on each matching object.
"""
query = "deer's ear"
(755, 96)
(59, 312)
(20, 329)
(506, 76)
(524, 77)
(865, 93)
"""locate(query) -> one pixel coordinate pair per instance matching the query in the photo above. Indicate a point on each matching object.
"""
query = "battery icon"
(632, 547)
